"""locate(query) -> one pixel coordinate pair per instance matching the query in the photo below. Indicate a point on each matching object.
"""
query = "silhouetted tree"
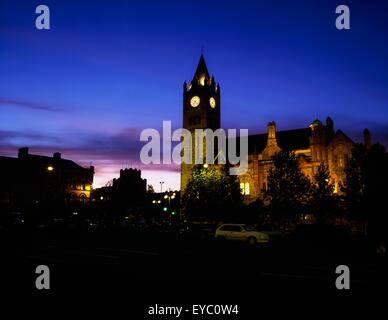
(323, 201)
(288, 188)
(150, 189)
(211, 193)
(366, 189)
(354, 185)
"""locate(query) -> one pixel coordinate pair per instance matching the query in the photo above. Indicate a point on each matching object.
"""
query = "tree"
(211, 193)
(365, 188)
(323, 202)
(150, 189)
(354, 185)
(288, 188)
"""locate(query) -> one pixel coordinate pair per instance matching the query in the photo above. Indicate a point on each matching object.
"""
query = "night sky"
(108, 69)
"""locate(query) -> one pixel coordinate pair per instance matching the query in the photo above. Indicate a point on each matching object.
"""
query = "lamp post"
(161, 186)
(169, 197)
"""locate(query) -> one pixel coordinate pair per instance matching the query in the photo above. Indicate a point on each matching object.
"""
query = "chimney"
(367, 139)
(57, 156)
(23, 153)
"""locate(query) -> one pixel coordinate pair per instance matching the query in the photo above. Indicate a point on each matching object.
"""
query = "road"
(144, 266)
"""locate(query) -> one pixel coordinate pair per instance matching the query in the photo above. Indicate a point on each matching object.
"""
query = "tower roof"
(316, 122)
(201, 69)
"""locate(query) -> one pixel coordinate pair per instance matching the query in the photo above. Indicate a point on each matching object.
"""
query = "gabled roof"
(341, 135)
(38, 160)
(287, 140)
(295, 139)
(45, 160)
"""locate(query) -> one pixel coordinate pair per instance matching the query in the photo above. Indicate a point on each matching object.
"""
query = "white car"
(240, 232)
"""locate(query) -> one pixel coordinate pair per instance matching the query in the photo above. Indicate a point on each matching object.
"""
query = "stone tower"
(201, 109)
(318, 143)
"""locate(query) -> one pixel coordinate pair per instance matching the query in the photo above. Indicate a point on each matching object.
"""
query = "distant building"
(130, 183)
(31, 179)
(127, 191)
(315, 144)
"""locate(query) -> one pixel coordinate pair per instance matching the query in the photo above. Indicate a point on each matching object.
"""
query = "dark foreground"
(155, 265)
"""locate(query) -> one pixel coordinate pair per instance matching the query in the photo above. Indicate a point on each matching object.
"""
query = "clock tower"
(201, 109)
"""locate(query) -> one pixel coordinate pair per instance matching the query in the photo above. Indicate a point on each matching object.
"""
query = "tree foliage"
(288, 188)
(365, 188)
(211, 193)
(324, 204)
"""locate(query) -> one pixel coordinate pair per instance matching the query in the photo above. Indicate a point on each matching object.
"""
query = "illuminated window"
(244, 186)
(247, 188)
(341, 161)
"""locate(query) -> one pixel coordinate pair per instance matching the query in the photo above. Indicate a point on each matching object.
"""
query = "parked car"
(240, 232)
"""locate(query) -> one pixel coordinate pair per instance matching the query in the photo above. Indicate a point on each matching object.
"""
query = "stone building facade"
(315, 144)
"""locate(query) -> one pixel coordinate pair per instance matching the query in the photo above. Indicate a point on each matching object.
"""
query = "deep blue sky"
(108, 69)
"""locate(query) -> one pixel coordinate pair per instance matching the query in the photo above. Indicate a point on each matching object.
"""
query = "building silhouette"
(128, 191)
(32, 179)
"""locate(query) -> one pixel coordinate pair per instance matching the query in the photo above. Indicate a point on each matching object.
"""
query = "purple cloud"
(29, 105)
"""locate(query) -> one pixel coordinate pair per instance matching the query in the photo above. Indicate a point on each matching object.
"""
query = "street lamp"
(161, 186)
(169, 197)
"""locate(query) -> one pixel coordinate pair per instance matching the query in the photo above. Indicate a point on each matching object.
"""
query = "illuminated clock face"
(212, 102)
(194, 102)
